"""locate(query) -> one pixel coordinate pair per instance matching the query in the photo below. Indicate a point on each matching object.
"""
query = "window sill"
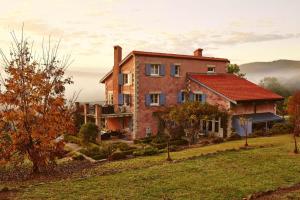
(154, 105)
(155, 75)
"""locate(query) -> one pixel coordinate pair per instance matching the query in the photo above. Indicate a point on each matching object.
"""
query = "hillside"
(287, 71)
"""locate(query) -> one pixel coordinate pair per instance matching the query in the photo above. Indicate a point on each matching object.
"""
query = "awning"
(261, 117)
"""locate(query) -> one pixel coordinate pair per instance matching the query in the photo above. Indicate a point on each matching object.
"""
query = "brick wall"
(167, 84)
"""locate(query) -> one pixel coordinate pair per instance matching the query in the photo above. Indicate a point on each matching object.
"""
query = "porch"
(256, 121)
(109, 117)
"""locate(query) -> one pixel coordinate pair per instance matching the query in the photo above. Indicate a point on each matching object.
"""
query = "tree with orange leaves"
(294, 112)
(33, 108)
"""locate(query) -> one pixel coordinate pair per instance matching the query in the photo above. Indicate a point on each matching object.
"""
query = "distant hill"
(287, 71)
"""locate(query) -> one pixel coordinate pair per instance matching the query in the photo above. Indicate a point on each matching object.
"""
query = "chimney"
(117, 55)
(198, 52)
(116, 71)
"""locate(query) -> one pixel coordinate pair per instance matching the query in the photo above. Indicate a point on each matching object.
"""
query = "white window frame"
(110, 98)
(151, 98)
(177, 68)
(183, 96)
(124, 99)
(154, 72)
(127, 79)
(197, 94)
(213, 67)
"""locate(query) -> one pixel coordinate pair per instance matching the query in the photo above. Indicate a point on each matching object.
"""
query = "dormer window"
(211, 69)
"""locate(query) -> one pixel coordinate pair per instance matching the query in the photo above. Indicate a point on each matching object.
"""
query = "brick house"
(145, 82)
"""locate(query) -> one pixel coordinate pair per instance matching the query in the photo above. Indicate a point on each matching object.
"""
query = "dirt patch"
(7, 193)
(59, 172)
(274, 194)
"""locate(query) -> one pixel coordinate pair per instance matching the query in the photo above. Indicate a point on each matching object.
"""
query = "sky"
(241, 30)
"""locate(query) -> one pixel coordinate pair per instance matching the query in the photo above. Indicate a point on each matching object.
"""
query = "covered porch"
(256, 121)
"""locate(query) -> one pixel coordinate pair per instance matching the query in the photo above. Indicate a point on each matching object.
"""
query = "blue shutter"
(148, 69)
(203, 98)
(191, 96)
(172, 70)
(120, 99)
(147, 99)
(179, 97)
(162, 70)
(162, 99)
(120, 79)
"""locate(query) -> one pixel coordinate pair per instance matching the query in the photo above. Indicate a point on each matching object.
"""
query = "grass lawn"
(225, 175)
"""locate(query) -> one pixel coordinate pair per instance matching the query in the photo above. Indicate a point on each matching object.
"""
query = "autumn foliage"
(294, 112)
(34, 111)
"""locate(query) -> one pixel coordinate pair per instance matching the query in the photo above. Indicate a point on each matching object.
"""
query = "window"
(177, 70)
(183, 96)
(216, 126)
(154, 99)
(210, 124)
(155, 69)
(211, 69)
(127, 99)
(110, 100)
(198, 97)
(125, 79)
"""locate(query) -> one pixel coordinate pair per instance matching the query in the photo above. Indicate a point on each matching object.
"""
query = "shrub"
(179, 142)
(148, 151)
(281, 128)
(95, 152)
(217, 140)
(72, 139)
(258, 133)
(88, 132)
(138, 152)
(78, 157)
(117, 155)
(121, 145)
(159, 145)
(234, 136)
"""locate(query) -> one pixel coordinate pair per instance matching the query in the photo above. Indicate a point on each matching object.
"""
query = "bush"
(217, 140)
(159, 145)
(78, 157)
(88, 132)
(138, 152)
(234, 136)
(117, 155)
(72, 139)
(281, 128)
(258, 133)
(148, 151)
(121, 145)
(179, 142)
(95, 152)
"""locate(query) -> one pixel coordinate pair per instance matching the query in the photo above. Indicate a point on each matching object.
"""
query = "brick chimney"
(198, 52)
(116, 71)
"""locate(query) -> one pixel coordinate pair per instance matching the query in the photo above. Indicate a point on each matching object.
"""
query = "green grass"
(225, 175)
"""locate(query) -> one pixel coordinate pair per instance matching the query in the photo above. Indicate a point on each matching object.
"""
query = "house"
(145, 82)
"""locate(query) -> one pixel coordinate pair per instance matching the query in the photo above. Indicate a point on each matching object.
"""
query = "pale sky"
(240, 30)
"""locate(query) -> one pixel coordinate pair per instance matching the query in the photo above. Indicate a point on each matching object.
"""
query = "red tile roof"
(166, 55)
(234, 87)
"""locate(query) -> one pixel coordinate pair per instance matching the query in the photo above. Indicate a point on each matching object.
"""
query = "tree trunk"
(295, 141)
(246, 142)
(168, 148)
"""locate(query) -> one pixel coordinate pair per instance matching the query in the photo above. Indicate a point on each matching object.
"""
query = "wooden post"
(98, 112)
(86, 112)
